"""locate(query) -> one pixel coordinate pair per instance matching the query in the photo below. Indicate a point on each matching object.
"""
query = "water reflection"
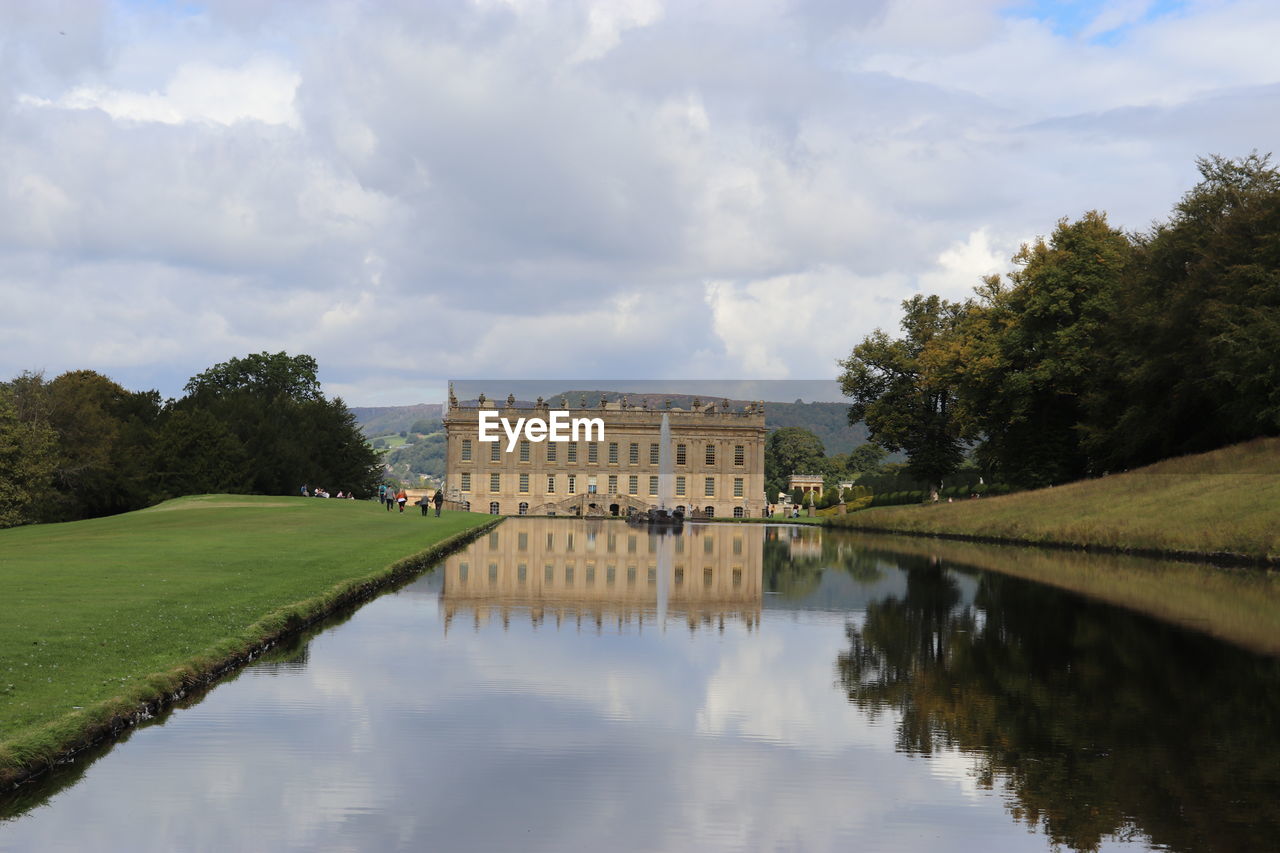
(853, 692)
(606, 573)
(1096, 722)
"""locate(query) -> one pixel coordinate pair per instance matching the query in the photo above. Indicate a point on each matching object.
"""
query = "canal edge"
(273, 627)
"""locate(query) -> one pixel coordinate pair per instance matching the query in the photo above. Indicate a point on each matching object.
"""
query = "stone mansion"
(717, 455)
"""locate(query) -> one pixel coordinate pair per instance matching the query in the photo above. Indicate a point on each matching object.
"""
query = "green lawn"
(101, 615)
(1226, 501)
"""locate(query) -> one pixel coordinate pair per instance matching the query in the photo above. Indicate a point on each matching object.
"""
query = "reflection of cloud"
(395, 735)
(801, 709)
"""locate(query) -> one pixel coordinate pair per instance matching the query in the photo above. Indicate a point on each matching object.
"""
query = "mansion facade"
(717, 459)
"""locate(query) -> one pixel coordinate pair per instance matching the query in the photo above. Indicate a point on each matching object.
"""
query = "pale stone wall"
(623, 427)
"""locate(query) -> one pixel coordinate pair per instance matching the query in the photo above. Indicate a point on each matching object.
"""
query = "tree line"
(1103, 350)
(80, 445)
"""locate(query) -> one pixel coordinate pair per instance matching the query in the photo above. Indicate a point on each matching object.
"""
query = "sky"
(411, 191)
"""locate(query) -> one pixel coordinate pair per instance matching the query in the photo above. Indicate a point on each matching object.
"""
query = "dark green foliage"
(197, 453)
(103, 436)
(257, 424)
(907, 404)
(1196, 343)
(27, 462)
(1103, 351)
(268, 375)
(1026, 354)
(791, 450)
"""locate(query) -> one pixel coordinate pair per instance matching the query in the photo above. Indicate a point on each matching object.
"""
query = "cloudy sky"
(526, 188)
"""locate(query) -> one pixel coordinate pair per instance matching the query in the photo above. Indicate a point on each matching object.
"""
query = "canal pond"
(568, 685)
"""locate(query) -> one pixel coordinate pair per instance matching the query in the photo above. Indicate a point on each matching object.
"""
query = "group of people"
(320, 492)
(398, 497)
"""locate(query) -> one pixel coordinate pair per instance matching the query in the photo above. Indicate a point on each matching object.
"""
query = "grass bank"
(1219, 505)
(106, 620)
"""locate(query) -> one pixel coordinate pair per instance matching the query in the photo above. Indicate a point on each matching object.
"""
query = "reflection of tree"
(1097, 721)
(795, 560)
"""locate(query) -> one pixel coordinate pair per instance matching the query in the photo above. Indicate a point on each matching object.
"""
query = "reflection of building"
(717, 461)
(604, 571)
(805, 483)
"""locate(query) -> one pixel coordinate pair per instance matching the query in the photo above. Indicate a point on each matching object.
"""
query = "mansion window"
(682, 454)
(551, 451)
(711, 454)
(653, 485)
(524, 450)
(524, 485)
(680, 487)
(551, 484)
(572, 452)
(737, 487)
(495, 452)
(466, 482)
(633, 484)
(739, 455)
(493, 508)
(466, 450)
(613, 453)
(613, 484)
(495, 482)
(573, 484)
(523, 510)
(593, 452)
(709, 489)
(653, 454)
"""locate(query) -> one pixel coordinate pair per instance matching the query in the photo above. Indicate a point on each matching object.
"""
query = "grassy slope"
(94, 610)
(1226, 501)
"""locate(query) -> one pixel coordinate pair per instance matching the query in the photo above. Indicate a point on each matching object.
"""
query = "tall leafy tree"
(103, 435)
(27, 461)
(791, 450)
(277, 430)
(1025, 354)
(1197, 332)
(899, 390)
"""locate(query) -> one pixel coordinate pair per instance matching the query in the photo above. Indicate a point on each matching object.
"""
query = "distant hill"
(382, 420)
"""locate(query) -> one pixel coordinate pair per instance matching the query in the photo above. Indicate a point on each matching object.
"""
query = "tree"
(271, 375)
(791, 450)
(104, 435)
(195, 453)
(27, 461)
(898, 390)
(288, 433)
(1024, 356)
(1198, 327)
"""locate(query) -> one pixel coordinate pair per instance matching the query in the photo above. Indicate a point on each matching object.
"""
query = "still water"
(570, 685)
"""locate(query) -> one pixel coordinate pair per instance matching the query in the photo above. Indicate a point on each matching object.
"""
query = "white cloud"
(262, 90)
(608, 189)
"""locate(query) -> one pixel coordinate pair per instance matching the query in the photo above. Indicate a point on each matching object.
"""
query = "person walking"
(424, 503)
(401, 499)
(389, 498)
(438, 500)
